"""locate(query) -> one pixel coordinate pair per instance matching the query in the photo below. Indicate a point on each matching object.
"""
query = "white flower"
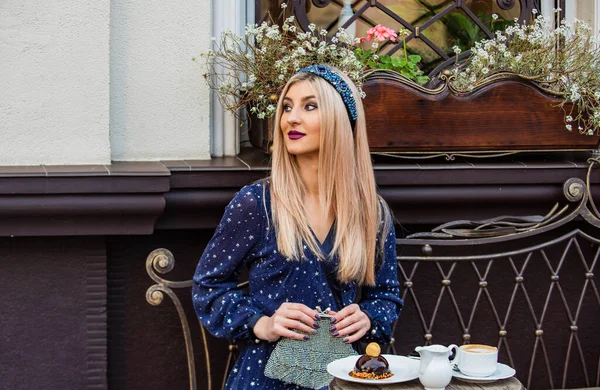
(534, 11)
(312, 27)
(569, 118)
(283, 5)
(485, 70)
(375, 45)
(569, 127)
(457, 50)
(495, 16)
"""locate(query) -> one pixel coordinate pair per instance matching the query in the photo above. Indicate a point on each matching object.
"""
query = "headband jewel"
(338, 83)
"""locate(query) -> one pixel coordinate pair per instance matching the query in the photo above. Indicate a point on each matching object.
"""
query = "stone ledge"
(127, 198)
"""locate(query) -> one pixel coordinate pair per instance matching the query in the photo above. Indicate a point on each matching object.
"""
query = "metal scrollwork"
(574, 189)
(448, 156)
(509, 227)
(299, 8)
(321, 3)
(505, 4)
(162, 261)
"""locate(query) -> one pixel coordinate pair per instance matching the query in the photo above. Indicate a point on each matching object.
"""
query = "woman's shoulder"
(259, 189)
(254, 196)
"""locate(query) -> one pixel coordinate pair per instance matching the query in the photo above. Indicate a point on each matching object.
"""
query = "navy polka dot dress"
(245, 239)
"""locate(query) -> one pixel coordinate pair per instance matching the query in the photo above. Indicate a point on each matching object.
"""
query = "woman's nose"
(294, 116)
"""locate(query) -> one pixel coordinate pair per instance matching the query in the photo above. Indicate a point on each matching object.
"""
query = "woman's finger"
(293, 324)
(297, 315)
(351, 328)
(355, 336)
(290, 334)
(345, 312)
(299, 307)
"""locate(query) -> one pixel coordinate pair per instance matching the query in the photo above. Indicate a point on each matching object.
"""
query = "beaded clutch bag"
(304, 363)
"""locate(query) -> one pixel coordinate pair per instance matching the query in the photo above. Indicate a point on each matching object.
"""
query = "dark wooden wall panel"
(146, 345)
(53, 317)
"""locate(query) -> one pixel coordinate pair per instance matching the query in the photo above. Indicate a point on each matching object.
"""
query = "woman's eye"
(287, 108)
(311, 106)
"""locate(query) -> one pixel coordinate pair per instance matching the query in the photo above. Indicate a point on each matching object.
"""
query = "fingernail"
(316, 325)
(306, 338)
(332, 329)
(317, 317)
(333, 320)
(314, 331)
(335, 334)
(346, 340)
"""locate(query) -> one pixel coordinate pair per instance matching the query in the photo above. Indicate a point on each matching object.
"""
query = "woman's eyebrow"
(302, 99)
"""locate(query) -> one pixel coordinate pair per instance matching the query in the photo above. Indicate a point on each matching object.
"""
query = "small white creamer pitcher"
(435, 372)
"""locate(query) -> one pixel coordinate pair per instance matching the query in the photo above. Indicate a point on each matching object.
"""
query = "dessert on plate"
(371, 365)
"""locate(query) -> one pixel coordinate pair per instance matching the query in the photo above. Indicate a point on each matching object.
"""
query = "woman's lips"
(295, 135)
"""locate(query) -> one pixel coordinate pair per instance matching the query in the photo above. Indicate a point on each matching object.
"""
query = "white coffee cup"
(477, 359)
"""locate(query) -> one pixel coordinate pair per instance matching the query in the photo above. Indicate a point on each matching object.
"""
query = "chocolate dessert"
(371, 365)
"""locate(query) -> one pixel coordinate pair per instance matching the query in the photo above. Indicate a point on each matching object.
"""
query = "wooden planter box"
(508, 116)
(505, 116)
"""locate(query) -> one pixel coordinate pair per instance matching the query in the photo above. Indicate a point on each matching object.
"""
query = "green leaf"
(415, 58)
(385, 59)
(422, 79)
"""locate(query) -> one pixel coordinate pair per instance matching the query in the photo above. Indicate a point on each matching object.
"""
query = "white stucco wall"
(54, 82)
(159, 106)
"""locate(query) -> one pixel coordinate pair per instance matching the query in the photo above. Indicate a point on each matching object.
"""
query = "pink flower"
(381, 33)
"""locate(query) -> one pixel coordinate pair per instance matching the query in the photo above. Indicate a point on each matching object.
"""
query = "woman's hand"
(289, 316)
(351, 323)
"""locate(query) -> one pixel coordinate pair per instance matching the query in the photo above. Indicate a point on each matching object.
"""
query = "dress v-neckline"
(327, 237)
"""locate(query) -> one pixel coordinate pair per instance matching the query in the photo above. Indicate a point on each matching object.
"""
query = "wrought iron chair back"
(159, 262)
(524, 284)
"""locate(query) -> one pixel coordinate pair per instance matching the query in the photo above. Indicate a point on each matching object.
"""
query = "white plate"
(502, 372)
(403, 368)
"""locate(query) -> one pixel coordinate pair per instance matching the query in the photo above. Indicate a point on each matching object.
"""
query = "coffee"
(478, 348)
(477, 360)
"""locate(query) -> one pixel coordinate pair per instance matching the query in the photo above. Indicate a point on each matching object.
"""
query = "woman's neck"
(309, 174)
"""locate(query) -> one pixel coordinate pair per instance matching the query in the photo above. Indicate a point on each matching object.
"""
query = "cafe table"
(503, 384)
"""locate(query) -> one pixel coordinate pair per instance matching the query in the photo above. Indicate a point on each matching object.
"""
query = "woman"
(309, 235)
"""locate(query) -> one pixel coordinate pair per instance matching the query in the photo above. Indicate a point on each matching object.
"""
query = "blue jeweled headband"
(339, 84)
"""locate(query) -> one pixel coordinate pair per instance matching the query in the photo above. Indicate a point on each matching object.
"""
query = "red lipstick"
(293, 135)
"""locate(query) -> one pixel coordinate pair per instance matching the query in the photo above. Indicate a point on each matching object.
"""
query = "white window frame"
(225, 127)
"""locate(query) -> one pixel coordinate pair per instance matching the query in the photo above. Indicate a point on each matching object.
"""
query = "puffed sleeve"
(382, 302)
(225, 310)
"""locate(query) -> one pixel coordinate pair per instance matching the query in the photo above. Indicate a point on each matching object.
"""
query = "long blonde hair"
(346, 187)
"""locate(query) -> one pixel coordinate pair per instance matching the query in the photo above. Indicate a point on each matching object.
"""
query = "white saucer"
(403, 368)
(502, 372)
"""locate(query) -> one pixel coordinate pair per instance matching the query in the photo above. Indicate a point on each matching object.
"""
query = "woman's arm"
(382, 302)
(224, 310)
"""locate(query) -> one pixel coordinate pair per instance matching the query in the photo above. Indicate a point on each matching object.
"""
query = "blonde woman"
(309, 235)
